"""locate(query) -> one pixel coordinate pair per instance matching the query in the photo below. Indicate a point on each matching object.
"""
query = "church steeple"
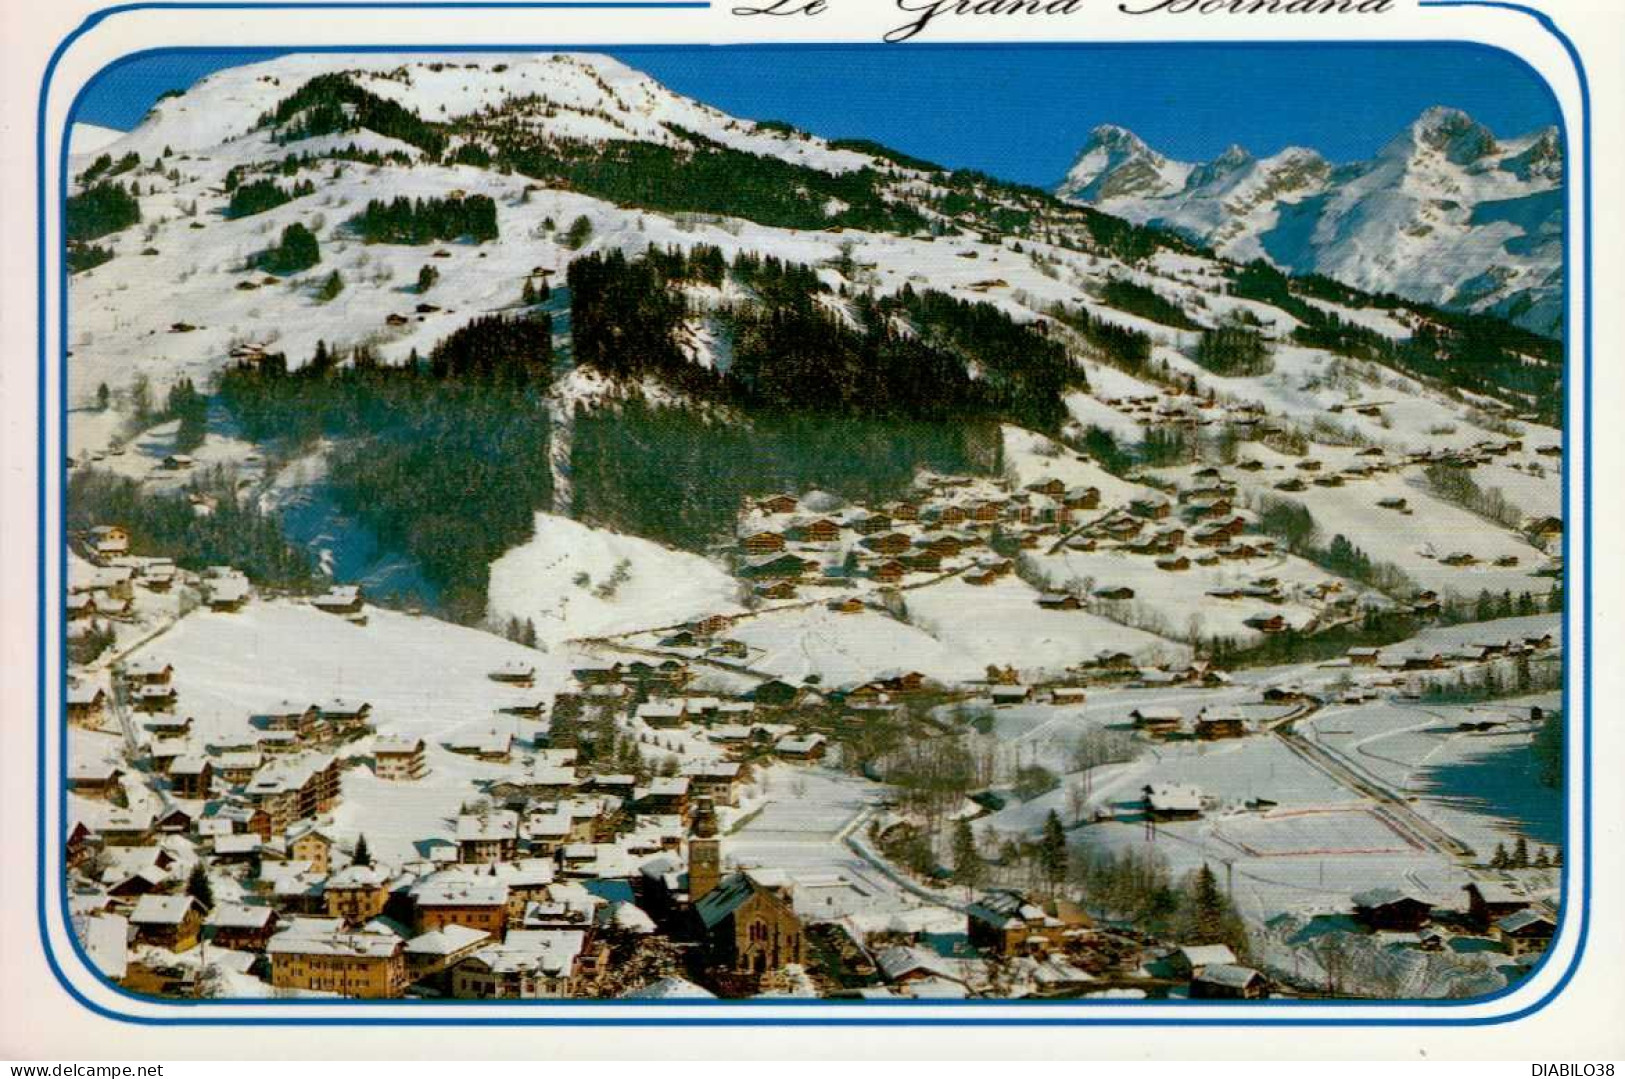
(704, 852)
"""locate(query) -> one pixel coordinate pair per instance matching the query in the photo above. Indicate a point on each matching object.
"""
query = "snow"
(538, 581)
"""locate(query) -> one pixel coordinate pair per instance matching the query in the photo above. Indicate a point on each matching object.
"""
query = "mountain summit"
(1444, 213)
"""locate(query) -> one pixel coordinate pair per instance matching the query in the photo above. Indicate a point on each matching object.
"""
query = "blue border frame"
(1584, 610)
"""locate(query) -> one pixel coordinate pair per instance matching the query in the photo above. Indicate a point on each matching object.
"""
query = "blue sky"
(1021, 112)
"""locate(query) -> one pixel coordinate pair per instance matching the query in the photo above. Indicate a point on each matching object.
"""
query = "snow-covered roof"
(447, 940)
(240, 916)
(669, 988)
(161, 909)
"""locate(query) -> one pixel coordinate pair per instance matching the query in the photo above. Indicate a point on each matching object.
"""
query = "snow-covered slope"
(91, 138)
(1445, 213)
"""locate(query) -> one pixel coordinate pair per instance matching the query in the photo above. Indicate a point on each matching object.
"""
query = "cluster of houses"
(948, 524)
(1521, 922)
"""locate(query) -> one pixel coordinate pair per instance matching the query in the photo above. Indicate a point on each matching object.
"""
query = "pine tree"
(969, 868)
(427, 276)
(1498, 860)
(199, 888)
(331, 287)
(1520, 854)
(527, 295)
(363, 856)
(104, 397)
(1208, 906)
(1052, 853)
(1542, 859)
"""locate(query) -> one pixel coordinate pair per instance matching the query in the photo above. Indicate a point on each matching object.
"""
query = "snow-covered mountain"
(1445, 213)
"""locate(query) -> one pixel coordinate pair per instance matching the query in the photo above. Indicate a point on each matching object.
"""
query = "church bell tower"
(704, 853)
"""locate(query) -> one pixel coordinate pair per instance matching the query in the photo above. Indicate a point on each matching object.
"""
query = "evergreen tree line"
(166, 525)
(104, 167)
(332, 102)
(1234, 350)
(445, 460)
(675, 476)
(419, 221)
(1136, 299)
(1137, 886)
(907, 357)
(705, 177)
(100, 209)
(261, 195)
(1477, 353)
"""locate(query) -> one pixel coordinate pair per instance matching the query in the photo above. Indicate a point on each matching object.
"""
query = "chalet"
(430, 956)
(171, 922)
(1188, 960)
(846, 605)
(888, 543)
(778, 504)
(530, 965)
(1225, 981)
(1006, 923)
(241, 927)
(108, 541)
(342, 599)
(715, 780)
(356, 894)
(1489, 901)
(149, 672)
(515, 673)
(822, 530)
(1168, 801)
(663, 714)
(1052, 487)
(749, 923)
(191, 777)
(228, 593)
(664, 795)
(1158, 719)
(905, 510)
(1150, 509)
(312, 844)
(1082, 498)
(454, 897)
(304, 721)
(1008, 695)
(1526, 931)
(1211, 725)
(487, 837)
(777, 590)
(889, 571)
(80, 606)
(295, 788)
(1174, 564)
(488, 745)
(1545, 532)
(1270, 623)
(1118, 592)
(1391, 909)
(868, 523)
(345, 715)
(762, 543)
(598, 676)
(800, 747)
(166, 729)
(237, 849)
(1061, 695)
(94, 780)
(1060, 601)
(398, 758)
(370, 965)
(126, 828)
(1364, 657)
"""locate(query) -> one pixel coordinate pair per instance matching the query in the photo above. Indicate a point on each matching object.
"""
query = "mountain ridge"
(1445, 212)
